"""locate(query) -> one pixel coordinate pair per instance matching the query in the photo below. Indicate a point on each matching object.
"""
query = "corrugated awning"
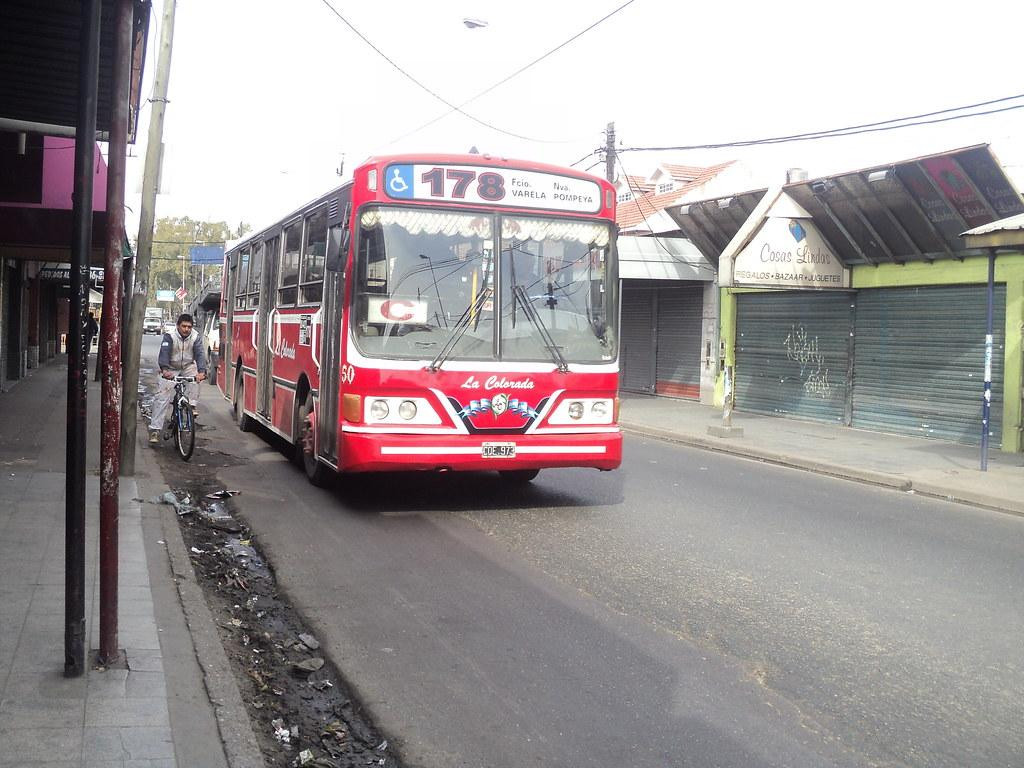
(914, 210)
(661, 258)
(910, 211)
(39, 46)
(711, 224)
(1005, 233)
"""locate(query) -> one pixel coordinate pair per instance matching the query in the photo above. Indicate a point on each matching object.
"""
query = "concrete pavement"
(112, 717)
(157, 712)
(930, 467)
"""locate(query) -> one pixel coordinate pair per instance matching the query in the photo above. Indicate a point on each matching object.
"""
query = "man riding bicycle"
(181, 354)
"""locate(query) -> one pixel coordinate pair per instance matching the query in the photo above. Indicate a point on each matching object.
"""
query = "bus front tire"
(318, 473)
(518, 476)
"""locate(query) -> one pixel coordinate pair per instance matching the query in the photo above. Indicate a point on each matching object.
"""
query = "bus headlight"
(379, 409)
(589, 411)
(407, 410)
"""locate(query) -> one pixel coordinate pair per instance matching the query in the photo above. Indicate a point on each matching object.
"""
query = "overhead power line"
(852, 130)
(640, 198)
(589, 154)
(420, 85)
(518, 72)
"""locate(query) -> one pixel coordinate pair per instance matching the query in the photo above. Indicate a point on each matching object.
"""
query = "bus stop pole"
(110, 340)
(986, 403)
(78, 360)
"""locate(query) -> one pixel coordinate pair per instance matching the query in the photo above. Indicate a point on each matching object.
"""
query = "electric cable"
(851, 130)
(518, 72)
(420, 85)
(653, 210)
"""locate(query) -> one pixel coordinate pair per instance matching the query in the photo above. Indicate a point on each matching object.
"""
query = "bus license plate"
(499, 450)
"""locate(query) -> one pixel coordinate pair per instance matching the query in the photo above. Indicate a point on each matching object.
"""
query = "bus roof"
(490, 160)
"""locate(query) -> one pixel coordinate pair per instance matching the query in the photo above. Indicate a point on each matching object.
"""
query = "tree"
(173, 237)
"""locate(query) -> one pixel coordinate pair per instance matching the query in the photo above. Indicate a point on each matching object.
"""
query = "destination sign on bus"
(486, 185)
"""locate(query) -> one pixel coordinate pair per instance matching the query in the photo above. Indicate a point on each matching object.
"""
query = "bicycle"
(182, 427)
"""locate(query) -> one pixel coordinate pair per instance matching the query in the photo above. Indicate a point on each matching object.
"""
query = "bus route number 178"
(489, 185)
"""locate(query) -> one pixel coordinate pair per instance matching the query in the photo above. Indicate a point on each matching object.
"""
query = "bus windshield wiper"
(459, 330)
(545, 335)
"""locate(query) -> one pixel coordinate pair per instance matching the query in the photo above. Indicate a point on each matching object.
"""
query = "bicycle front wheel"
(185, 432)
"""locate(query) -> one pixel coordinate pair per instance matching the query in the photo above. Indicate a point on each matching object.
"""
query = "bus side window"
(288, 292)
(255, 274)
(243, 280)
(314, 253)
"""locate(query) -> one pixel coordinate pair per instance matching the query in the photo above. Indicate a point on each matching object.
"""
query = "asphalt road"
(689, 609)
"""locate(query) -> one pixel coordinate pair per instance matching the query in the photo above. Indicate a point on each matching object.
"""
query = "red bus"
(438, 312)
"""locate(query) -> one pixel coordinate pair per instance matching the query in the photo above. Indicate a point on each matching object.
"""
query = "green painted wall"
(727, 338)
(1009, 270)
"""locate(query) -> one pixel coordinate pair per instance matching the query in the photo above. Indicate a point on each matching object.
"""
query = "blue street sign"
(207, 254)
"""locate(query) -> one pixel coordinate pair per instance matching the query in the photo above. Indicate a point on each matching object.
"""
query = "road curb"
(239, 741)
(994, 503)
(840, 471)
(843, 472)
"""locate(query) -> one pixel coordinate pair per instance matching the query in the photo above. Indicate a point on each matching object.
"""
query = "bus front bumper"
(368, 452)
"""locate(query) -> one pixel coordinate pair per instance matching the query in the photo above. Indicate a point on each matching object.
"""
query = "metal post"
(609, 152)
(986, 403)
(727, 409)
(110, 341)
(147, 215)
(78, 378)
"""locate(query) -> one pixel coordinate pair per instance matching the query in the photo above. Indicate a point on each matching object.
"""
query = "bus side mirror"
(337, 247)
(337, 243)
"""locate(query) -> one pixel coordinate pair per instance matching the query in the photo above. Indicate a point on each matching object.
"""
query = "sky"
(266, 98)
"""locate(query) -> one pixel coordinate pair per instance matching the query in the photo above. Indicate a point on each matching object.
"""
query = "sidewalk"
(929, 467)
(117, 717)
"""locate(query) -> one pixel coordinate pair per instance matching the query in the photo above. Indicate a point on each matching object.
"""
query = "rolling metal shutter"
(680, 313)
(637, 337)
(792, 353)
(919, 361)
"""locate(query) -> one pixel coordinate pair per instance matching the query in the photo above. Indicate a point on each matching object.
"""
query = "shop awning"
(39, 49)
(1005, 233)
(712, 224)
(661, 258)
(914, 210)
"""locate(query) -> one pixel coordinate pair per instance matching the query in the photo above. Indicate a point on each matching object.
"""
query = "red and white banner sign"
(383, 310)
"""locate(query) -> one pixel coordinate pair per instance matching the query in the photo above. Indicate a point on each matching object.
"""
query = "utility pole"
(609, 152)
(110, 335)
(147, 217)
(78, 355)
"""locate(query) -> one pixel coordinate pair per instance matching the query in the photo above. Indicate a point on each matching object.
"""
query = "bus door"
(330, 343)
(264, 331)
(227, 361)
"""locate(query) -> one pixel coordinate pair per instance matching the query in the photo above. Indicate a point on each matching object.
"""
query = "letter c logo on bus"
(398, 310)
(381, 310)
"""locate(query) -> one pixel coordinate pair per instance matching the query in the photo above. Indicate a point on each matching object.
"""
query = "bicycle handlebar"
(185, 379)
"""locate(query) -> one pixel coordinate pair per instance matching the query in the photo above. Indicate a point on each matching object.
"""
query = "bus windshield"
(442, 285)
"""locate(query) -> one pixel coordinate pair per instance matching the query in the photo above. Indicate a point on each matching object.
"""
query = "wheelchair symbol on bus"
(399, 181)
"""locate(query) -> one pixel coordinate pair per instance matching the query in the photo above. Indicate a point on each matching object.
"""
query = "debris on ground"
(309, 665)
(182, 506)
(225, 494)
(217, 515)
(296, 698)
(262, 634)
(282, 734)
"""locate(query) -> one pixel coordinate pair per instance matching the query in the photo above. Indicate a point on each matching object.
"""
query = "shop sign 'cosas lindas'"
(789, 253)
